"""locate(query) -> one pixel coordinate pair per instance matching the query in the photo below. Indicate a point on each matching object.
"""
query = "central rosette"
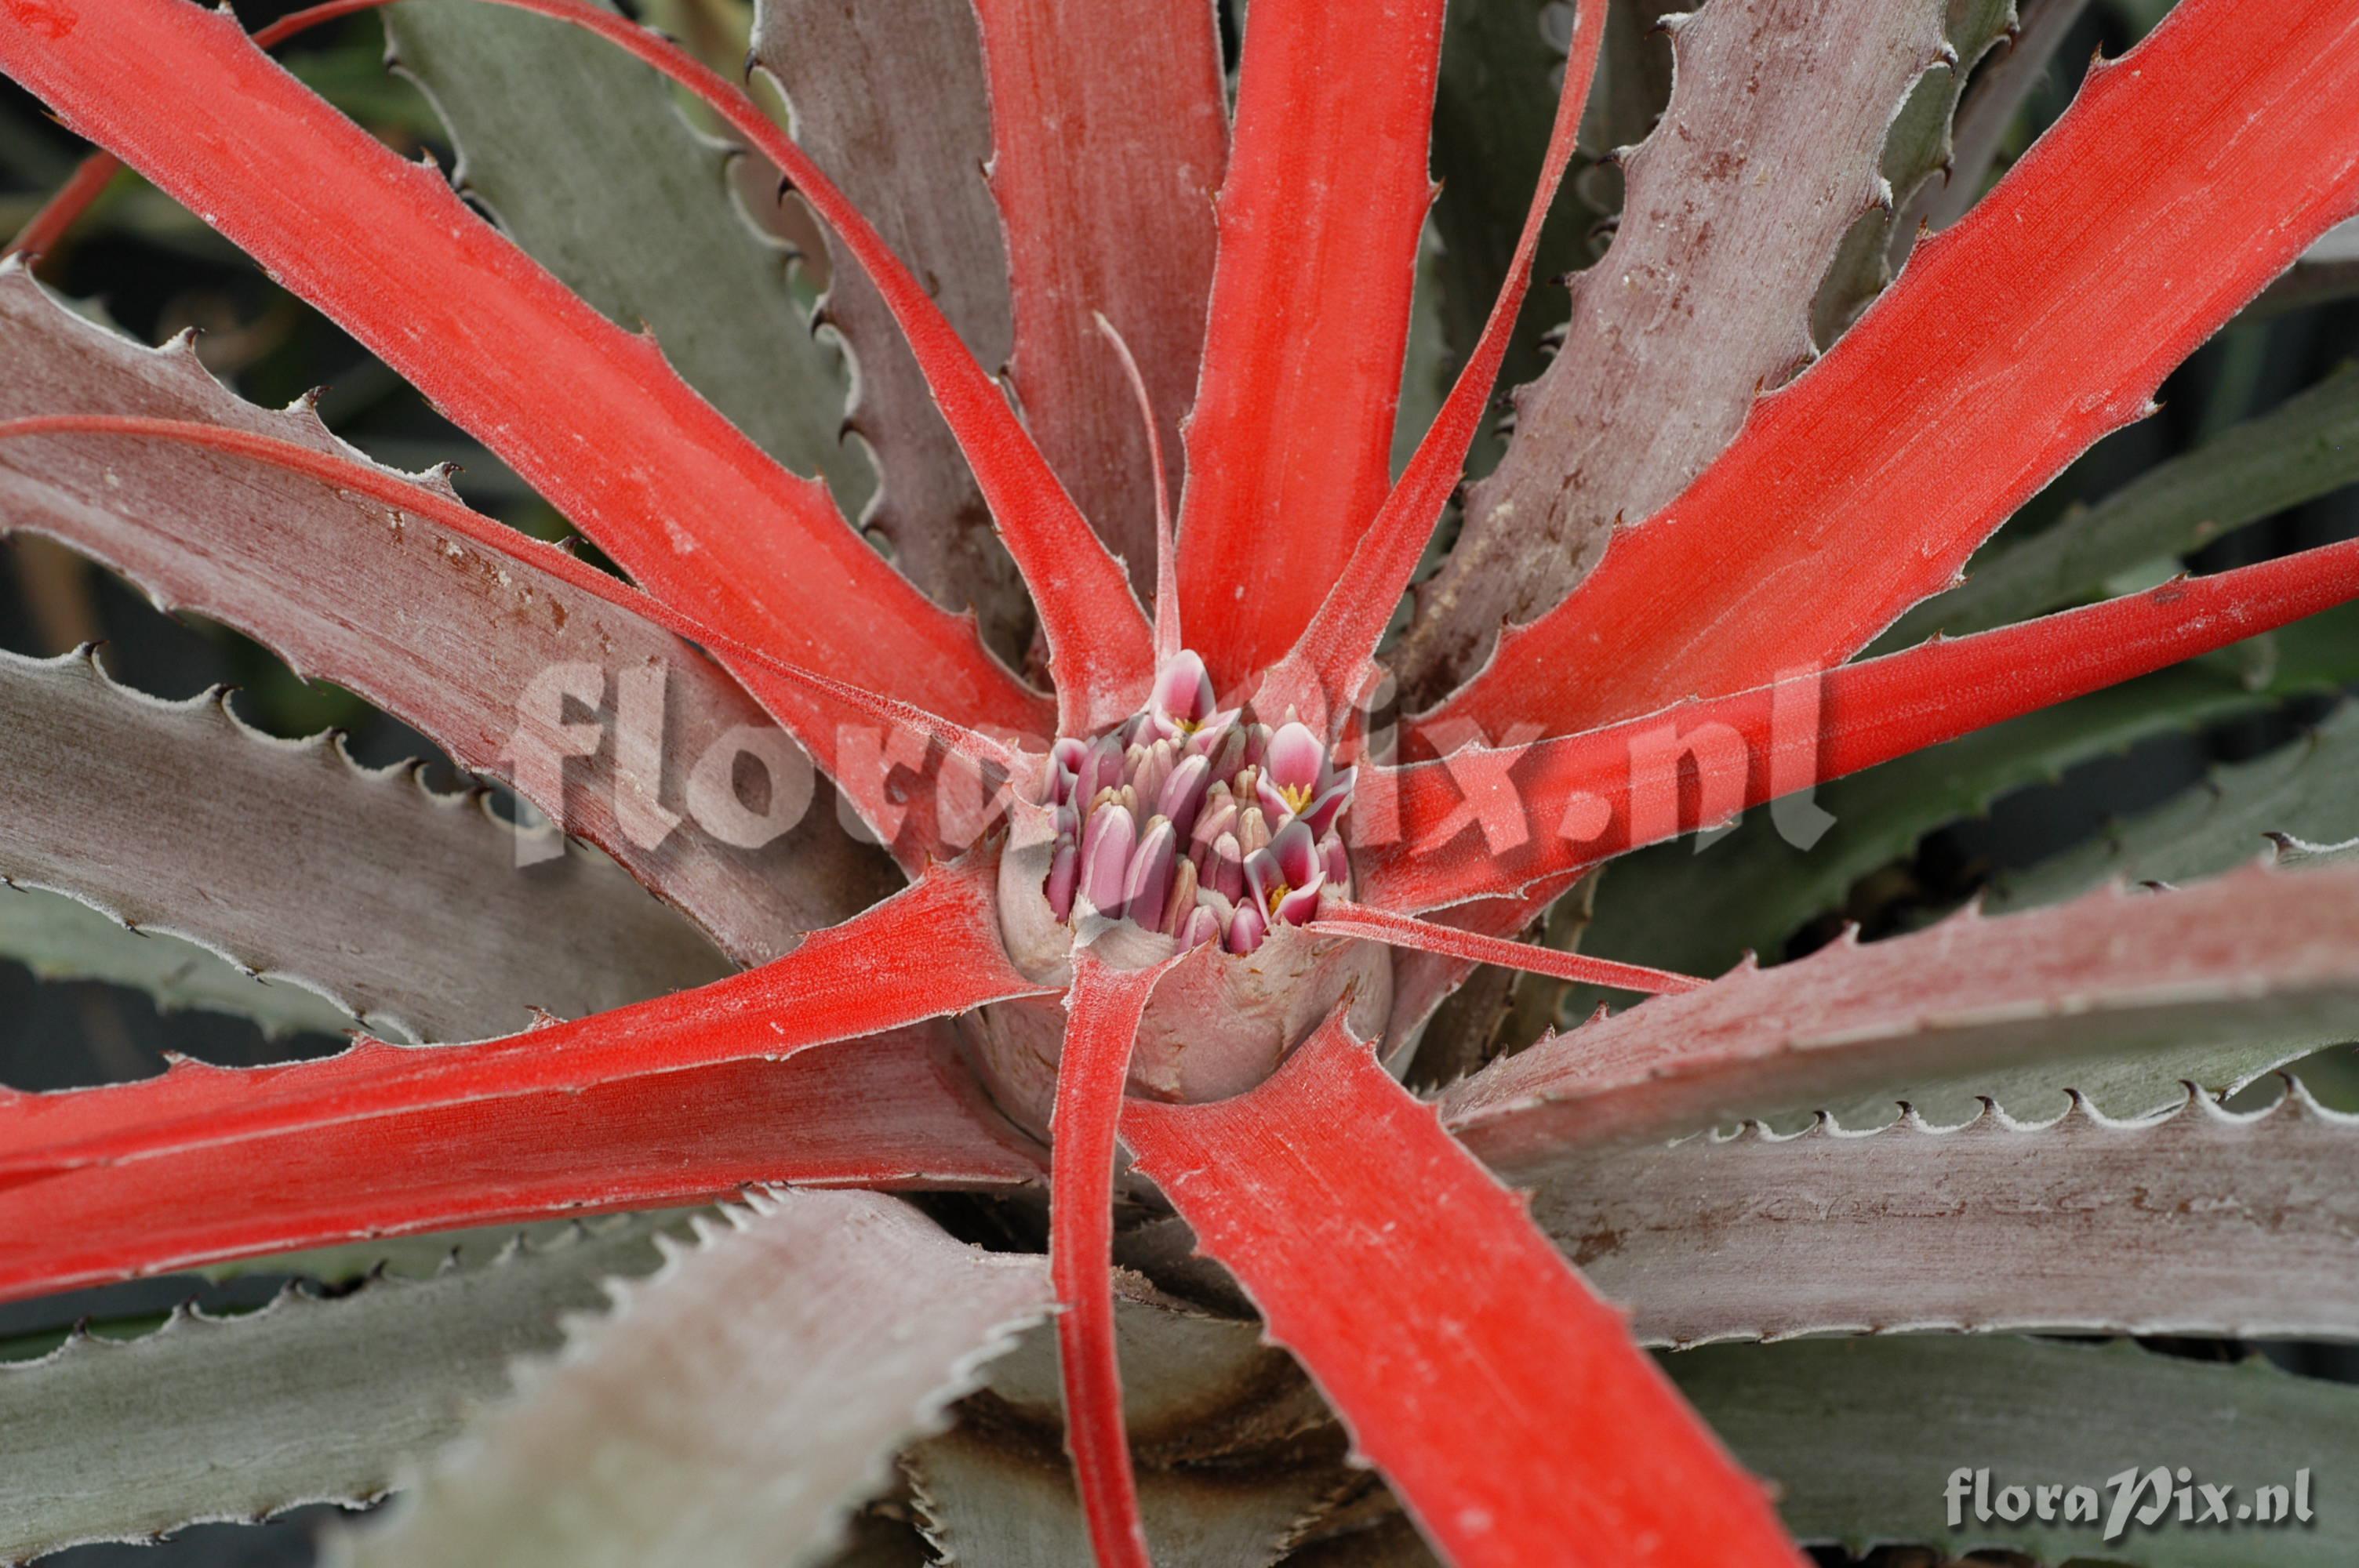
(1196, 823)
(1185, 828)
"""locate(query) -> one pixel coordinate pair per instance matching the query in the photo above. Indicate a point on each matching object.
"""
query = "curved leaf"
(682, 500)
(1863, 1434)
(2260, 957)
(585, 161)
(899, 1110)
(2305, 447)
(1347, 1213)
(310, 1399)
(1289, 446)
(1109, 135)
(438, 633)
(1993, 98)
(731, 1407)
(893, 101)
(2303, 789)
(62, 938)
(406, 908)
(1732, 212)
(2199, 1222)
(1698, 905)
(1861, 487)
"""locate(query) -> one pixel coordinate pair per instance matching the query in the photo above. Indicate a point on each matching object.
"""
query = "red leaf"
(1105, 1006)
(588, 414)
(1099, 644)
(90, 178)
(1490, 822)
(2186, 176)
(844, 706)
(412, 618)
(1109, 128)
(1331, 663)
(1475, 947)
(931, 950)
(894, 100)
(1505, 1403)
(1289, 444)
(897, 1111)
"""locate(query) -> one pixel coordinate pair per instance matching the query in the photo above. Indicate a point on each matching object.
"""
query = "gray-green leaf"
(406, 907)
(2301, 449)
(1862, 1436)
(2201, 1221)
(729, 1410)
(308, 1399)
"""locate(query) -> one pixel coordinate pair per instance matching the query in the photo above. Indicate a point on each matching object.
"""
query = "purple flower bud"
(1065, 759)
(1338, 864)
(1147, 880)
(1217, 815)
(1230, 755)
(1153, 771)
(1064, 876)
(1246, 928)
(1228, 869)
(1106, 845)
(1182, 795)
(1181, 900)
(1200, 926)
(1253, 830)
(1100, 768)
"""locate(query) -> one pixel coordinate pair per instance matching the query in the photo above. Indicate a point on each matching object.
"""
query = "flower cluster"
(1195, 821)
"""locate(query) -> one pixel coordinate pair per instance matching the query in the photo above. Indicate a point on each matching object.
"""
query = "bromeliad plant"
(1191, 894)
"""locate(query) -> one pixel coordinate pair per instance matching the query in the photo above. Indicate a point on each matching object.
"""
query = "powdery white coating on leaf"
(1733, 208)
(732, 1409)
(308, 1400)
(2200, 1222)
(2267, 955)
(859, 979)
(441, 635)
(698, 514)
(404, 906)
